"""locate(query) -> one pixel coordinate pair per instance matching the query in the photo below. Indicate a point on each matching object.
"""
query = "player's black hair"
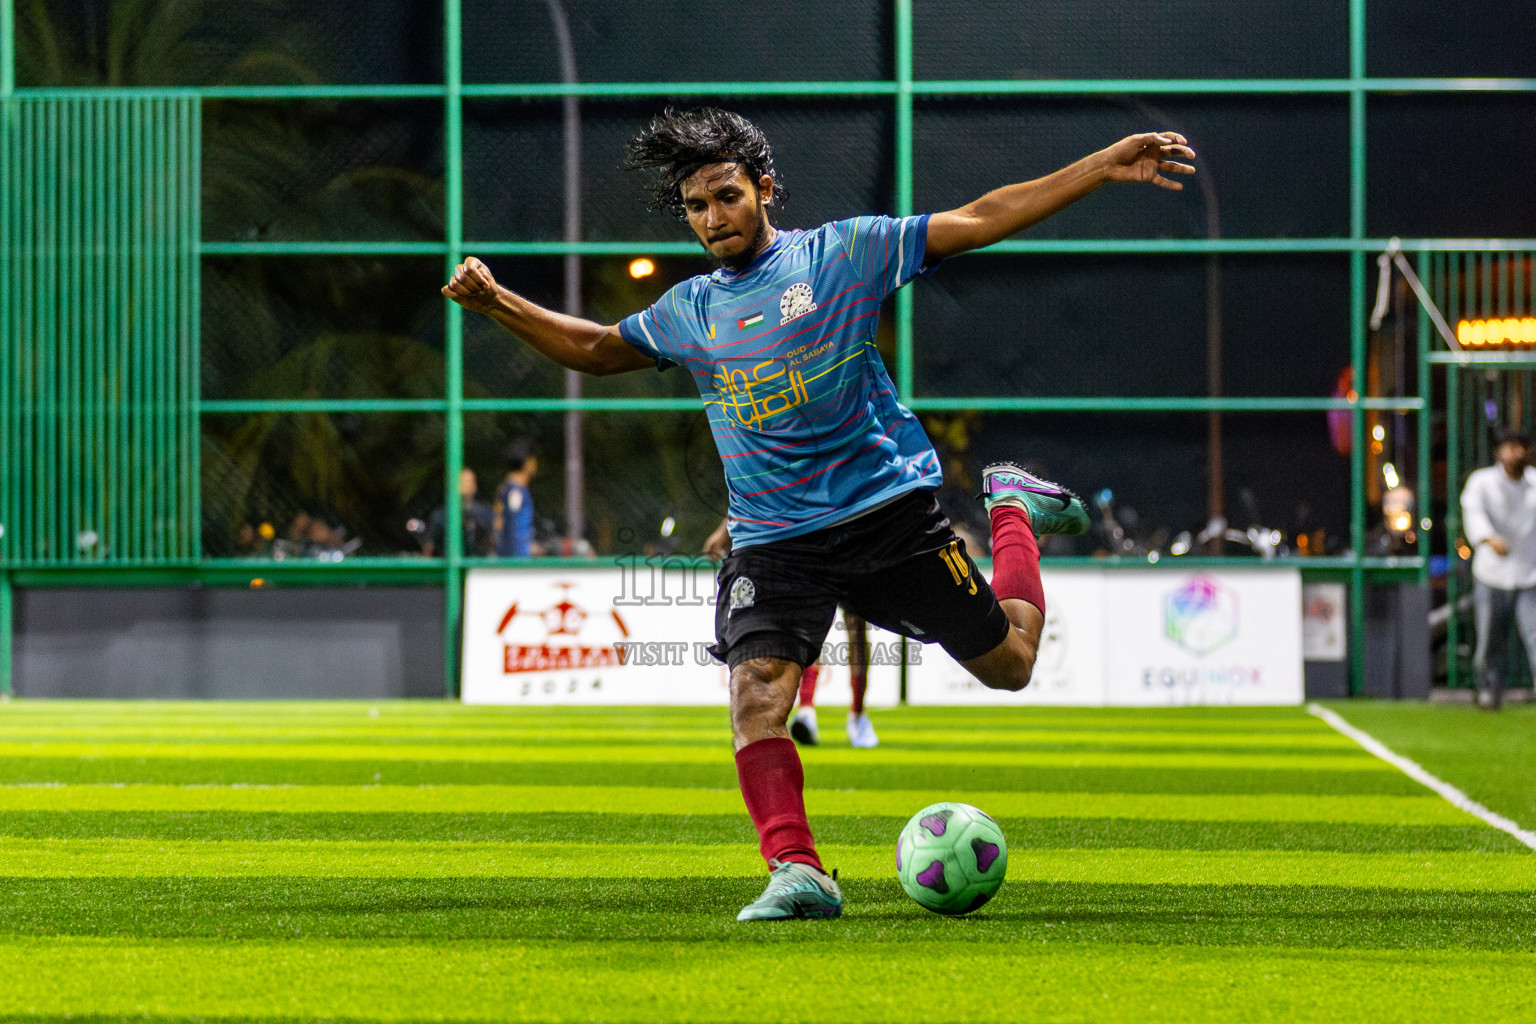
(677, 143)
(1519, 437)
(519, 452)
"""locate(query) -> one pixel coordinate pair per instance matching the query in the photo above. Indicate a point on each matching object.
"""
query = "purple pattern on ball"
(932, 877)
(985, 852)
(978, 902)
(898, 855)
(935, 823)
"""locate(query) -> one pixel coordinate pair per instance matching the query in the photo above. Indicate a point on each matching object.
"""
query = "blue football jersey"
(803, 412)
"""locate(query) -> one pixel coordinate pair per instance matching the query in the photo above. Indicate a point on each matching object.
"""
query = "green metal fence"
(156, 347)
(98, 338)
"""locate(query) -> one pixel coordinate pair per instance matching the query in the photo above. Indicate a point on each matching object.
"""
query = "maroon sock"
(1015, 557)
(858, 668)
(808, 684)
(772, 784)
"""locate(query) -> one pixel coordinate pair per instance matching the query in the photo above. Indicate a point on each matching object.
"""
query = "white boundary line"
(1417, 773)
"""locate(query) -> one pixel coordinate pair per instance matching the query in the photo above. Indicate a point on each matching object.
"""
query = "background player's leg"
(767, 764)
(808, 685)
(803, 727)
(861, 732)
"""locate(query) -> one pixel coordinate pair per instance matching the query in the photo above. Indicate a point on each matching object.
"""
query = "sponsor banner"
(1229, 637)
(1152, 637)
(633, 633)
(1069, 669)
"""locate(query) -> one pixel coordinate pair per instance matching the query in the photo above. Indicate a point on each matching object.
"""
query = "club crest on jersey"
(743, 595)
(796, 302)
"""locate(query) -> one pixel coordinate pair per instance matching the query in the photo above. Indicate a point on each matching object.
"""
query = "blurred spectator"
(477, 518)
(513, 521)
(1498, 507)
(311, 534)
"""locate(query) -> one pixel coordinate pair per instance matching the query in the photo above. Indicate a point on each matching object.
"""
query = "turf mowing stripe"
(714, 736)
(673, 754)
(1372, 778)
(1412, 769)
(443, 713)
(880, 916)
(721, 829)
(752, 982)
(1263, 807)
(132, 858)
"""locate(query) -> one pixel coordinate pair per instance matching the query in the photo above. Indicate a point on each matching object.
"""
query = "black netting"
(498, 365)
(1130, 325)
(1457, 166)
(835, 157)
(681, 41)
(1087, 39)
(640, 468)
(322, 327)
(1430, 38)
(1281, 471)
(318, 486)
(227, 42)
(360, 170)
(1250, 171)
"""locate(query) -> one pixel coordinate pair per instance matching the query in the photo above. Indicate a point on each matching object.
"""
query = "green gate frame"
(902, 90)
(1475, 285)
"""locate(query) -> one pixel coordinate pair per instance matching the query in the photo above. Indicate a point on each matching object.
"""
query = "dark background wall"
(233, 644)
(1272, 166)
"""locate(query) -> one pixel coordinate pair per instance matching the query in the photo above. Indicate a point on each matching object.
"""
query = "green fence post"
(7, 49)
(6, 637)
(453, 181)
(1426, 388)
(1452, 522)
(1357, 313)
(904, 372)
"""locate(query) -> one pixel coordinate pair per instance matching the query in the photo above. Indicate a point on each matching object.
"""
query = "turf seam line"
(1419, 774)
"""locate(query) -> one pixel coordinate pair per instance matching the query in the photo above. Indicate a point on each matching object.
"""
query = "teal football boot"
(1051, 507)
(795, 891)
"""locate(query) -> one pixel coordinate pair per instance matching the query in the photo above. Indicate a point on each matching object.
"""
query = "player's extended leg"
(773, 785)
(803, 728)
(1022, 506)
(861, 732)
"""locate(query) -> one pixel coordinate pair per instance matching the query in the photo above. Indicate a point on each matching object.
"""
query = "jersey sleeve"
(886, 252)
(655, 330)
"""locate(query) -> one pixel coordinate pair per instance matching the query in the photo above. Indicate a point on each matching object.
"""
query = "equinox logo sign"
(1200, 616)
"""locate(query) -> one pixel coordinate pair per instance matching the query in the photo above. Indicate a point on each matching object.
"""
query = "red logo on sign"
(561, 649)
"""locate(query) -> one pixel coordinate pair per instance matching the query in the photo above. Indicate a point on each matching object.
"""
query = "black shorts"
(900, 567)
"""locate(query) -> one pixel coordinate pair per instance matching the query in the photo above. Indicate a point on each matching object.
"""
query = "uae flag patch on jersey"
(750, 320)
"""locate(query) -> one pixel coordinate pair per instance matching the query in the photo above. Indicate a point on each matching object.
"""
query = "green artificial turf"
(1490, 755)
(410, 861)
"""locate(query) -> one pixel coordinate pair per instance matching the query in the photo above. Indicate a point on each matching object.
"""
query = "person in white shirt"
(1498, 508)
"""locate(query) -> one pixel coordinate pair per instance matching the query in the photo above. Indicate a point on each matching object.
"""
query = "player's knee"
(759, 688)
(1013, 676)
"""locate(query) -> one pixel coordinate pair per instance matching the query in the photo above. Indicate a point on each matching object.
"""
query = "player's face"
(1512, 456)
(725, 209)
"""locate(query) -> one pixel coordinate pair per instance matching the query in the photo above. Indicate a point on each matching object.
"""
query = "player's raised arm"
(1008, 210)
(574, 343)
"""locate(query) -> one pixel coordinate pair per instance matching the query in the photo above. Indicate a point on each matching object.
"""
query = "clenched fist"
(473, 287)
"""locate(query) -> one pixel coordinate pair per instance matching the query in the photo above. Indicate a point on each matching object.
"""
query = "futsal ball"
(951, 858)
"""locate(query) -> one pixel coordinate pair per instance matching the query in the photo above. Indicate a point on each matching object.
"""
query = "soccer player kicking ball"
(831, 479)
